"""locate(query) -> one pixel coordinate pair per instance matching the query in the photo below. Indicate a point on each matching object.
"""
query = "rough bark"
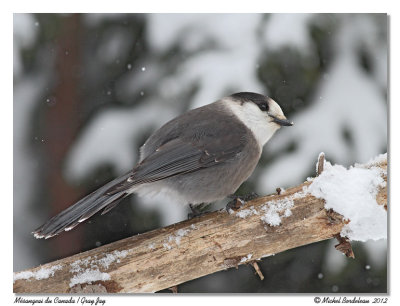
(169, 256)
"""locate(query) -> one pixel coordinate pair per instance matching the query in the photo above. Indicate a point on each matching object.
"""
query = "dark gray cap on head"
(259, 100)
(262, 102)
(250, 97)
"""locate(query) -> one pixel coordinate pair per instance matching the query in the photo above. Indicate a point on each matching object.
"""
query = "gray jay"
(201, 156)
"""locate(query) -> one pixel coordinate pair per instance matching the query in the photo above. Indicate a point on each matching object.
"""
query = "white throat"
(256, 120)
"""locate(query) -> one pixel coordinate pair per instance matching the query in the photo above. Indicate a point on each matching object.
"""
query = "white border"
(314, 6)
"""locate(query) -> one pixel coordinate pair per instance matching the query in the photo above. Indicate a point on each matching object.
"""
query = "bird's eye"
(263, 106)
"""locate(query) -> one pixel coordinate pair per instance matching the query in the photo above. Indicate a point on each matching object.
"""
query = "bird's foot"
(198, 210)
(239, 201)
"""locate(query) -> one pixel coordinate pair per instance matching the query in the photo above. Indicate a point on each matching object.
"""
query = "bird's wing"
(187, 150)
(182, 156)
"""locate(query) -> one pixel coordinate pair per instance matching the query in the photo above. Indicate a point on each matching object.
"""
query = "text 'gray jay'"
(199, 157)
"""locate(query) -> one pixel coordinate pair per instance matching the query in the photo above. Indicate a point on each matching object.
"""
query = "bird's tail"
(84, 209)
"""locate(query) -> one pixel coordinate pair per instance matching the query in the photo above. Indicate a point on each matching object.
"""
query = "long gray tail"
(83, 209)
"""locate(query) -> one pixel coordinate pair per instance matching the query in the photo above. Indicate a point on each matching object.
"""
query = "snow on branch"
(347, 204)
(352, 193)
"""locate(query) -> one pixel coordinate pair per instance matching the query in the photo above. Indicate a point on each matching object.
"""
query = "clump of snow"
(88, 276)
(373, 161)
(179, 234)
(274, 209)
(352, 193)
(40, 274)
(244, 213)
(167, 246)
(76, 266)
(177, 237)
(246, 258)
(87, 270)
(111, 257)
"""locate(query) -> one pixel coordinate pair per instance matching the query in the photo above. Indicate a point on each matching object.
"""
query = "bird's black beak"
(281, 122)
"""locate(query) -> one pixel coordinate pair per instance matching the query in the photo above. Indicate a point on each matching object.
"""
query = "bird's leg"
(239, 201)
(198, 210)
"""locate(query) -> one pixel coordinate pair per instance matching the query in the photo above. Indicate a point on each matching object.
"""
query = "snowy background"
(89, 89)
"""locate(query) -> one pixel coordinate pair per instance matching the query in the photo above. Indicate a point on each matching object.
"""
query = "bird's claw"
(198, 210)
(238, 201)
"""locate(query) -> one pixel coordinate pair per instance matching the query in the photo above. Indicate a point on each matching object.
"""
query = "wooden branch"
(167, 257)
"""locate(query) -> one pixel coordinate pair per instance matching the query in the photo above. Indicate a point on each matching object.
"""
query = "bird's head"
(261, 114)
